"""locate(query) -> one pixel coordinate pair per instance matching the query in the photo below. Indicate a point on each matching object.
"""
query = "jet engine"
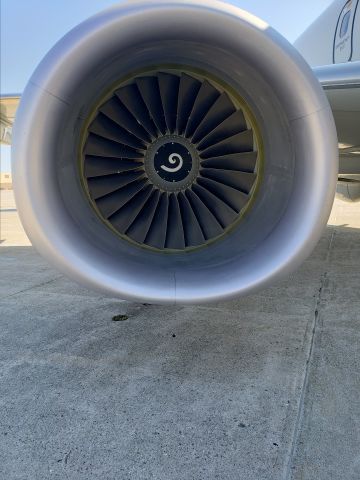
(174, 152)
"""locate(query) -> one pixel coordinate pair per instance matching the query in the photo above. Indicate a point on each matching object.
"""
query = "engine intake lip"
(171, 158)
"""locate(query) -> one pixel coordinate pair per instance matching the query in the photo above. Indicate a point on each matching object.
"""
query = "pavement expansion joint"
(305, 384)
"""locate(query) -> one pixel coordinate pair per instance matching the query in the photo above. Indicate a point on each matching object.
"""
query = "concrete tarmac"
(266, 387)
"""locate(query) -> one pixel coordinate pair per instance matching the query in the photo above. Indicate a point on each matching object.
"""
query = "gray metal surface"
(342, 75)
(262, 388)
(290, 107)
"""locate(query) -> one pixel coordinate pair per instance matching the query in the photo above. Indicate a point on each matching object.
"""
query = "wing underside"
(8, 107)
(341, 83)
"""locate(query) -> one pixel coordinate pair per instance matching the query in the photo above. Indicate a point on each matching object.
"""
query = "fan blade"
(175, 232)
(169, 88)
(109, 204)
(208, 223)
(218, 112)
(101, 147)
(192, 231)
(205, 98)
(99, 166)
(149, 89)
(132, 99)
(235, 123)
(242, 162)
(107, 128)
(224, 214)
(232, 197)
(240, 180)
(117, 112)
(188, 90)
(157, 233)
(241, 142)
(124, 217)
(141, 225)
(100, 186)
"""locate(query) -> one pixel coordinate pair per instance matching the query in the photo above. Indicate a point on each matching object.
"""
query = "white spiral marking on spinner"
(173, 158)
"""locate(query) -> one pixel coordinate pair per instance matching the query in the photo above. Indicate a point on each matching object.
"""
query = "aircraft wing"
(8, 107)
(341, 83)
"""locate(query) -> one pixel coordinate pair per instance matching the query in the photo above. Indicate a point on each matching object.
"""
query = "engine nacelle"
(176, 151)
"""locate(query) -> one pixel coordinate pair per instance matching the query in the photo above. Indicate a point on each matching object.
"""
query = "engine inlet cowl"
(175, 151)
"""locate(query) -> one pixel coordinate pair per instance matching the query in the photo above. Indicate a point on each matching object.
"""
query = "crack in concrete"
(31, 288)
(66, 458)
(304, 387)
(288, 468)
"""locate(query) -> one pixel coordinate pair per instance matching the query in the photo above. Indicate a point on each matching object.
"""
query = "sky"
(29, 28)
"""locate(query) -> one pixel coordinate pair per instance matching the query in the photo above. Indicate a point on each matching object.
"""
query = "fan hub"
(172, 163)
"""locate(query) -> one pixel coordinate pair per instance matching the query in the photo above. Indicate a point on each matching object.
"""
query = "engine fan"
(174, 152)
